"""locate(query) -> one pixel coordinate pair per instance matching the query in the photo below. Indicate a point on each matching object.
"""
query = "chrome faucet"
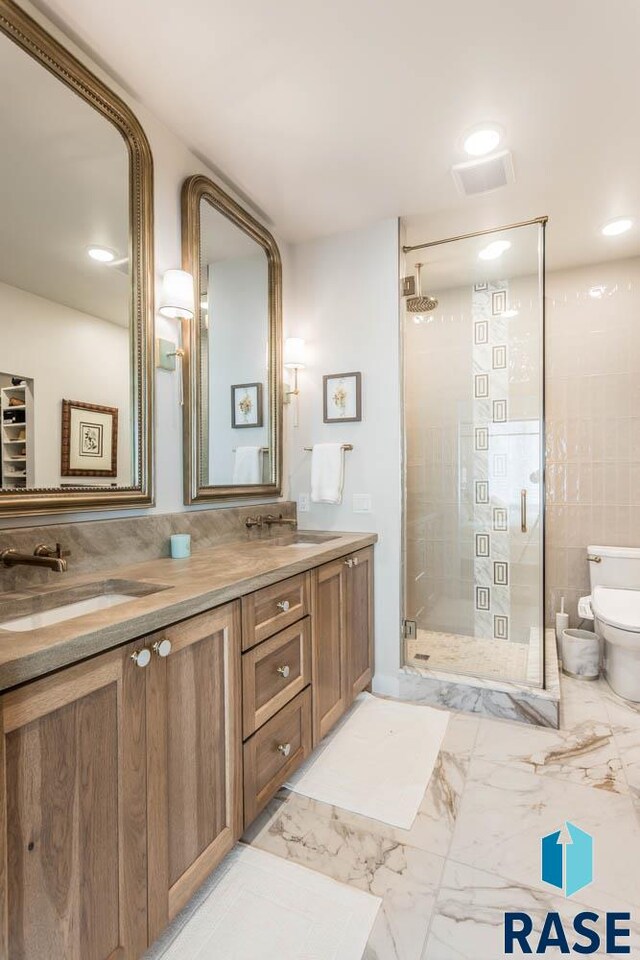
(42, 556)
(269, 521)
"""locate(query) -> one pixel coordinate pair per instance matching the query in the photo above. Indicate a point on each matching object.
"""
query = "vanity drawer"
(273, 673)
(269, 610)
(273, 753)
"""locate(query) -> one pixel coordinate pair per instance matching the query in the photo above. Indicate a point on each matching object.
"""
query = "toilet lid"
(619, 608)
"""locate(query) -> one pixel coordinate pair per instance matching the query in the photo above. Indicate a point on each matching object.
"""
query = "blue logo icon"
(567, 859)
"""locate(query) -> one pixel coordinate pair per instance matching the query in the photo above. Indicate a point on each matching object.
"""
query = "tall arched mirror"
(232, 419)
(76, 281)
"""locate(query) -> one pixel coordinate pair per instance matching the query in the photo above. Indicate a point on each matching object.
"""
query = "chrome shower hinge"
(410, 630)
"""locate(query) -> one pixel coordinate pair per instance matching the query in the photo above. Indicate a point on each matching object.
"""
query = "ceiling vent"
(483, 176)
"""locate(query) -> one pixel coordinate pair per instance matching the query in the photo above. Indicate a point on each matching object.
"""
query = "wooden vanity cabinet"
(342, 636)
(124, 779)
(121, 783)
(73, 839)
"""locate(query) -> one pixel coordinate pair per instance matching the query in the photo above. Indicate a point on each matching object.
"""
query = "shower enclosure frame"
(403, 250)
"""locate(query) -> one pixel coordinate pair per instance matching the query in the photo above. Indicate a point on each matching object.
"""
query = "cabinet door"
(359, 628)
(194, 756)
(72, 798)
(330, 679)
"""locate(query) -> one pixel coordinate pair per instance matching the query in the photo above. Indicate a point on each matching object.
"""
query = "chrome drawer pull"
(283, 605)
(284, 671)
(285, 749)
(142, 657)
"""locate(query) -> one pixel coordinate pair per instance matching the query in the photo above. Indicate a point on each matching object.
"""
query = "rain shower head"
(420, 304)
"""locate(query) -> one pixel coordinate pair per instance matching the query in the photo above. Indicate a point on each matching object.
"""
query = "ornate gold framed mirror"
(232, 362)
(76, 283)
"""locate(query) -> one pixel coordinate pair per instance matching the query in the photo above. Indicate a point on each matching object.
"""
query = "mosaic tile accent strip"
(490, 460)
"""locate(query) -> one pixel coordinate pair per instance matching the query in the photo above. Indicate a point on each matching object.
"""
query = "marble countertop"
(207, 579)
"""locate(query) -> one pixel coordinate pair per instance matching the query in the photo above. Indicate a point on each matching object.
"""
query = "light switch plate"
(303, 503)
(362, 503)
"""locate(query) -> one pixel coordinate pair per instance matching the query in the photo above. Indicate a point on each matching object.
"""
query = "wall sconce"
(177, 302)
(293, 360)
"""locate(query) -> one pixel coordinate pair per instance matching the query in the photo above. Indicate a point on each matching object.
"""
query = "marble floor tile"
(405, 877)
(582, 700)
(468, 919)
(505, 811)
(586, 754)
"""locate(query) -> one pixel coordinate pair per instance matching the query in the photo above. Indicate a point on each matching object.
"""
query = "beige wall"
(592, 421)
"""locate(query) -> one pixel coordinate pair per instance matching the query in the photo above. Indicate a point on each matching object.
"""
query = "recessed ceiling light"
(482, 140)
(615, 227)
(494, 250)
(102, 254)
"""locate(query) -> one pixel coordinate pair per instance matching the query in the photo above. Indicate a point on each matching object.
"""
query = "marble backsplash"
(96, 545)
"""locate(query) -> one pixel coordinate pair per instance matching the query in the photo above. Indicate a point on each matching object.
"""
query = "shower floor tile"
(454, 653)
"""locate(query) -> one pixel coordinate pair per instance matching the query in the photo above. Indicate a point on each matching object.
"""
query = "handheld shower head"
(418, 303)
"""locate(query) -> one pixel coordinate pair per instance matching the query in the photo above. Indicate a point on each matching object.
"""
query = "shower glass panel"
(473, 432)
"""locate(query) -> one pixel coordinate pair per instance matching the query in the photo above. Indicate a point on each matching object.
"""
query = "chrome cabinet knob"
(141, 658)
(284, 671)
(162, 647)
(283, 605)
(349, 563)
(284, 749)
(356, 561)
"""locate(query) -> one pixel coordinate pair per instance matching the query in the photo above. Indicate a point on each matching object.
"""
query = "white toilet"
(614, 606)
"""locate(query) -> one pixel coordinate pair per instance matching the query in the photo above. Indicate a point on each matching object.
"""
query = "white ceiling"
(64, 184)
(331, 115)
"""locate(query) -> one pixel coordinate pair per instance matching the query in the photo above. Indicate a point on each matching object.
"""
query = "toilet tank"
(617, 566)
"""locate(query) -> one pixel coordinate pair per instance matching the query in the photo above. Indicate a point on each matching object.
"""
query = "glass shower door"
(473, 430)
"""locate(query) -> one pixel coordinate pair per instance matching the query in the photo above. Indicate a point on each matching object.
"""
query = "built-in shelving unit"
(16, 430)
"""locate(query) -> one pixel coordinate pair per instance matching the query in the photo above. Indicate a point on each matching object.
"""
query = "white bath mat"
(261, 907)
(379, 761)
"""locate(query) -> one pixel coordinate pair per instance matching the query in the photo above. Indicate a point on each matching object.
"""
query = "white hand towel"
(327, 472)
(247, 466)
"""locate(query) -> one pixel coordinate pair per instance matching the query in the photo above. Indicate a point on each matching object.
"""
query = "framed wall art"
(342, 397)
(246, 405)
(89, 440)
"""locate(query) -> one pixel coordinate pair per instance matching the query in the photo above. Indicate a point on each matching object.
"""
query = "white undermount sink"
(34, 621)
(43, 610)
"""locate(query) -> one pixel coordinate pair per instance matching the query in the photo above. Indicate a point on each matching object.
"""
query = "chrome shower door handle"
(523, 510)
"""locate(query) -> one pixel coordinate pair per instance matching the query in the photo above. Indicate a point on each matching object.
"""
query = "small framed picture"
(246, 405)
(342, 397)
(89, 440)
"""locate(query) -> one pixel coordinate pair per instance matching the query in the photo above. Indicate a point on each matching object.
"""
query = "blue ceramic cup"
(180, 545)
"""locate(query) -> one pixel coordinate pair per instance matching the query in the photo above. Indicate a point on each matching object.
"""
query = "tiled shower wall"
(592, 421)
